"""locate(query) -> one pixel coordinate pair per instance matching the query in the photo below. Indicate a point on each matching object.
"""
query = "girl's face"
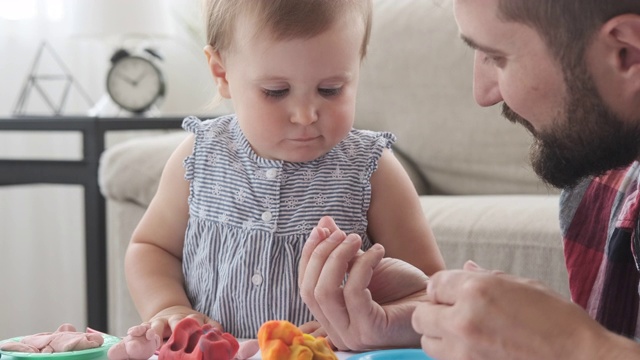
(295, 98)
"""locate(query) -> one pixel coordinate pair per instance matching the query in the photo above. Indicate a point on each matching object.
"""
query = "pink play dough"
(140, 343)
(65, 338)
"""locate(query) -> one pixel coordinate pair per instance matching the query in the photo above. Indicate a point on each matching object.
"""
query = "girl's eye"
(329, 91)
(275, 93)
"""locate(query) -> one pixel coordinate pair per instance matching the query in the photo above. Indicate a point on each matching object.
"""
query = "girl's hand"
(166, 320)
(313, 328)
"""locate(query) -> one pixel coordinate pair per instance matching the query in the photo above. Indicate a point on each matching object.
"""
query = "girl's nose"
(305, 114)
(486, 89)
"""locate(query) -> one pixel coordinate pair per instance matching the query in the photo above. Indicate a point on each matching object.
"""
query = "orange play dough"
(281, 340)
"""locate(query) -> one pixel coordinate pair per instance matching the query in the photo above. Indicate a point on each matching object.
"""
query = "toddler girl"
(222, 238)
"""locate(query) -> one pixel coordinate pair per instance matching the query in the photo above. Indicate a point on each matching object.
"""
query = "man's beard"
(589, 141)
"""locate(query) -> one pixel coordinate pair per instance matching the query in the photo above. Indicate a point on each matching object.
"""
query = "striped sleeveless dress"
(249, 218)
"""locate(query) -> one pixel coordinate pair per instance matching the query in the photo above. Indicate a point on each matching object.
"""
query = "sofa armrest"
(130, 171)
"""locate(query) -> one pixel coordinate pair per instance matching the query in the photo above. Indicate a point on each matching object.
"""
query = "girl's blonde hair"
(282, 19)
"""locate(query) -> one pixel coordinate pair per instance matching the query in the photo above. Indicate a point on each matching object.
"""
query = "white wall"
(42, 280)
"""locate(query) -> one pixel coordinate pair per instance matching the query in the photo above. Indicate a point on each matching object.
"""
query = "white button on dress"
(266, 216)
(256, 279)
(272, 173)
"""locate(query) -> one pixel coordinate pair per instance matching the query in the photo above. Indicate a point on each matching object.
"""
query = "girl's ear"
(216, 66)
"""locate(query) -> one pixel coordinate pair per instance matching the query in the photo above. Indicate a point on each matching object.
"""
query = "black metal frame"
(79, 172)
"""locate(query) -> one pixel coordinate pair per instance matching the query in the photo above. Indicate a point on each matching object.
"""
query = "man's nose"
(486, 89)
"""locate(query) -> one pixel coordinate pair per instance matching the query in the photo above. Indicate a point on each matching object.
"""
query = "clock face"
(135, 83)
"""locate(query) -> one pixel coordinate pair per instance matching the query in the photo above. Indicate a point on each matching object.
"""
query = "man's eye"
(275, 93)
(494, 60)
(330, 91)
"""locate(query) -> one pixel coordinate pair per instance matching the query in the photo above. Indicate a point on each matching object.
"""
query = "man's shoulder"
(570, 201)
(597, 193)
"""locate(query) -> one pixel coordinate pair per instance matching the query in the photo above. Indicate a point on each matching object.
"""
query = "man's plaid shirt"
(599, 221)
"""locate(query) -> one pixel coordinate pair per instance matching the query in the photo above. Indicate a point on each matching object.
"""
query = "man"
(569, 71)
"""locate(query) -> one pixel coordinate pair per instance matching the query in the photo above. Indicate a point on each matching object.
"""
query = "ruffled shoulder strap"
(205, 132)
(191, 124)
(379, 141)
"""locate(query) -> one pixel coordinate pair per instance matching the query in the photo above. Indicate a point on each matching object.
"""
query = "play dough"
(64, 339)
(281, 340)
(140, 343)
(192, 341)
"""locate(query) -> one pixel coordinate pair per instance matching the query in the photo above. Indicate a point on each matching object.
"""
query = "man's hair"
(567, 26)
(282, 19)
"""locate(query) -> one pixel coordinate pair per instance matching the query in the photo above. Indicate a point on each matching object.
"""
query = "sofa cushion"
(416, 81)
(518, 234)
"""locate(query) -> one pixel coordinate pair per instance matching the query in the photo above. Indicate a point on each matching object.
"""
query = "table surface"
(341, 355)
(412, 354)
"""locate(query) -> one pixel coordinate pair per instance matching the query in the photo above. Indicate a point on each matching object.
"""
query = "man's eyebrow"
(474, 45)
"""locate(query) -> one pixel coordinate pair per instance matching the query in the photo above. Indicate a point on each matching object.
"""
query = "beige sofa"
(469, 164)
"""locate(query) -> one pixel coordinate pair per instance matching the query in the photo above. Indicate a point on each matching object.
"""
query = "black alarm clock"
(134, 81)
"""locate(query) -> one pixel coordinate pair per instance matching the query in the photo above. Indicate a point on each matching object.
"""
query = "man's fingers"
(327, 222)
(471, 265)
(435, 347)
(356, 292)
(317, 258)
(445, 286)
(431, 319)
(317, 235)
(329, 291)
(322, 286)
(326, 226)
(313, 271)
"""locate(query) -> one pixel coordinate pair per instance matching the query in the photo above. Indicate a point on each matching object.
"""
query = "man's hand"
(481, 314)
(374, 307)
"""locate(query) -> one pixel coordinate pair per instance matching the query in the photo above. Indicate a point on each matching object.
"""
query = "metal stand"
(35, 80)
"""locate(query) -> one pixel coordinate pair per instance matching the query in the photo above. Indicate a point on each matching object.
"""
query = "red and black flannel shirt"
(599, 221)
